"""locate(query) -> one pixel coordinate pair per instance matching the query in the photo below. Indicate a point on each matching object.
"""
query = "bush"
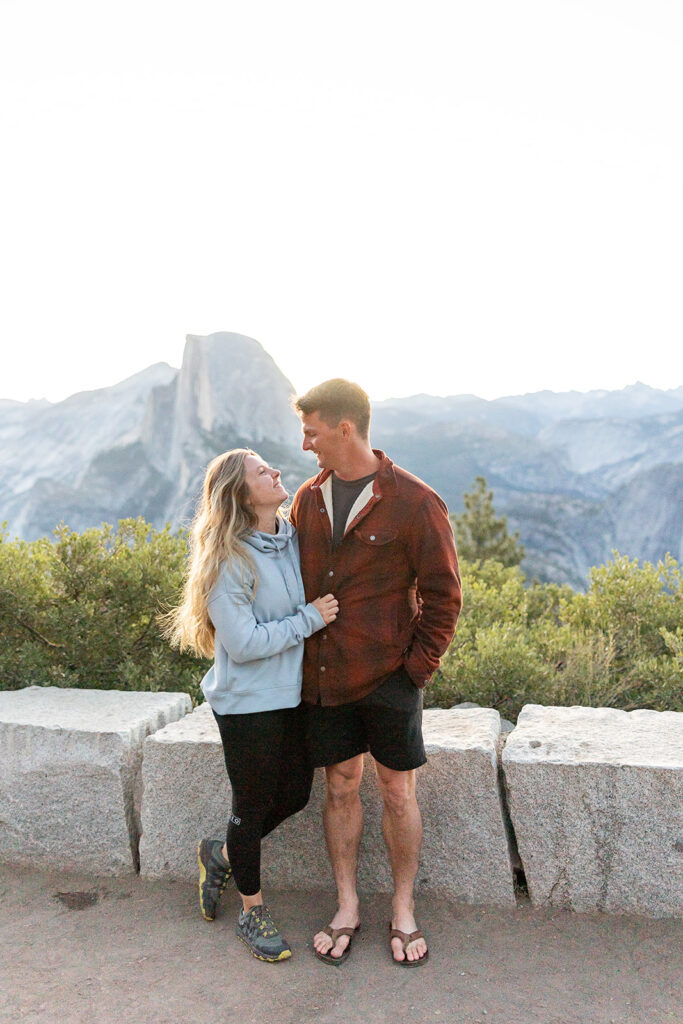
(495, 668)
(83, 611)
(618, 645)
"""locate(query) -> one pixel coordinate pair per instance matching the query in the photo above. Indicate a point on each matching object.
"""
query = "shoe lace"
(265, 923)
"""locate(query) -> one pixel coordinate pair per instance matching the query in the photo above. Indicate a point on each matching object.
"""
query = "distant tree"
(480, 534)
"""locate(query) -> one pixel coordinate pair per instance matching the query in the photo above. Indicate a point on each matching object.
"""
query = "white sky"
(461, 196)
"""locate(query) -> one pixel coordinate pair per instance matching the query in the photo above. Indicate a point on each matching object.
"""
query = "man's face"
(323, 440)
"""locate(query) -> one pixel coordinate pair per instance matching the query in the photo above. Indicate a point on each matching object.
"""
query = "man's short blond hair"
(335, 400)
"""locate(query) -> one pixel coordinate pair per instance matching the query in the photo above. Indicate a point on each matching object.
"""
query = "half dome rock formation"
(229, 383)
(229, 393)
(141, 446)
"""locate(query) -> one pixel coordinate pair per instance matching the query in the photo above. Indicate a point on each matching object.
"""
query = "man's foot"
(323, 942)
(258, 931)
(409, 948)
(335, 935)
(214, 872)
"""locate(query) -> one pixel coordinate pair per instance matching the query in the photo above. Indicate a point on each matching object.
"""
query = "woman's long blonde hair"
(224, 518)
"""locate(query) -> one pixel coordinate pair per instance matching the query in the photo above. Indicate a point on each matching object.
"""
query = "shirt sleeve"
(435, 562)
(246, 639)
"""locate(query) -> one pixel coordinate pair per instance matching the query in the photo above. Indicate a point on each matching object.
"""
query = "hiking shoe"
(258, 931)
(214, 872)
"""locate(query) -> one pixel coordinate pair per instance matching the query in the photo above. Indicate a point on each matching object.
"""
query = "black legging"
(265, 754)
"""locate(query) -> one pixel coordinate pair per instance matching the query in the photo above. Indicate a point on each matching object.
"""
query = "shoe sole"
(202, 879)
(284, 955)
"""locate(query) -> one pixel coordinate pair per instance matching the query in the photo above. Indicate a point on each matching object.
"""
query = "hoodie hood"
(272, 543)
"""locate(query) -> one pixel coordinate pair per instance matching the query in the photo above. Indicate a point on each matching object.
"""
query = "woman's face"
(263, 483)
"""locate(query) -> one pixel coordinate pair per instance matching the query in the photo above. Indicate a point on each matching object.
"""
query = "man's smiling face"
(323, 440)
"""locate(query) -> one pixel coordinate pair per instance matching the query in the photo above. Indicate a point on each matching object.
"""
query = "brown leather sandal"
(334, 934)
(406, 939)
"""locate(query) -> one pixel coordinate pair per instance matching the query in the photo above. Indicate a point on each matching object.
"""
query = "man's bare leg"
(402, 826)
(343, 823)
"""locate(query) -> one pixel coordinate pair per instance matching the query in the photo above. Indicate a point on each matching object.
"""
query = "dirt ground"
(127, 951)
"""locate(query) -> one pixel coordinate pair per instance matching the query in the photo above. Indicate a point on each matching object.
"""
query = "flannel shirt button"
(322, 668)
(324, 636)
(322, 509)
(372, 536)
(331, 572)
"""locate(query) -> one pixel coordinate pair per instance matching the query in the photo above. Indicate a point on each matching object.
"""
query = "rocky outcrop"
(47, 453)
(577, 489)
(579, 475)
(140, 447)
(229, 393)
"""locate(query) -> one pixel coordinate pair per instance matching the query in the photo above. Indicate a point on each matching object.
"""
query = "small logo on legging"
(235, 820)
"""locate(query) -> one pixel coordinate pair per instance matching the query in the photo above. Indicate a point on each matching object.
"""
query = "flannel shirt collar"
(384, 482)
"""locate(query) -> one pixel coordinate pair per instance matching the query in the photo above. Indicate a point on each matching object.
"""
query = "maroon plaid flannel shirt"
(395, 575)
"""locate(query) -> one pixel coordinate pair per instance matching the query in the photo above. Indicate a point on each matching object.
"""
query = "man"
(381, 541)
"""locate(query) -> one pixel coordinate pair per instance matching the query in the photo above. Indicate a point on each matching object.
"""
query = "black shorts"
(387, 722)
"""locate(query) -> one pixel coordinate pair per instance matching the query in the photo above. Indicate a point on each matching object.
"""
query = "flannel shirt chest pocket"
(375, 538)
(375, 551)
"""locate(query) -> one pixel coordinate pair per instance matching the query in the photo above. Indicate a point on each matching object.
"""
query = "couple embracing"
(325, 627)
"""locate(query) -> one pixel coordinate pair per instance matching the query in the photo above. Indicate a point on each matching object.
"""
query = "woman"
(244, 603)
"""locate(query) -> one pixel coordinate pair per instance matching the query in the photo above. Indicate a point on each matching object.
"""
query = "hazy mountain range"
(578, 474)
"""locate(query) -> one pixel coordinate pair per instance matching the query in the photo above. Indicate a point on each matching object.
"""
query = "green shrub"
(82, 611)
(618, 645)
(495, 668)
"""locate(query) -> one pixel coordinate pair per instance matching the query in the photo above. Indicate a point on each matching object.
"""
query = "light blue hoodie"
(260, 630)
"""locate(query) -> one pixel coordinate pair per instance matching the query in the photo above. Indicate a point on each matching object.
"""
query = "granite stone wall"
(584, 804)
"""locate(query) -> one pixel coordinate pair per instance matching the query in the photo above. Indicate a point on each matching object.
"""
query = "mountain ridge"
(675, 394)
(578, 473)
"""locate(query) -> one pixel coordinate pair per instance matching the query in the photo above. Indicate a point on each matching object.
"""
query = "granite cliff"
(140, 447)
(578, 474)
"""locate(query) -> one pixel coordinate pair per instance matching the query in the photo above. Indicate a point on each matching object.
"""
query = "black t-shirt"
(344, 493)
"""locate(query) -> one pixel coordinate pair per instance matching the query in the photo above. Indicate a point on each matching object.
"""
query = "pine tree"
(479, 533)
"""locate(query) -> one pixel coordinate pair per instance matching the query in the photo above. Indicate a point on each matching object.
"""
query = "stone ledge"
(596, 798)
(465, 854)
(70, 791)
